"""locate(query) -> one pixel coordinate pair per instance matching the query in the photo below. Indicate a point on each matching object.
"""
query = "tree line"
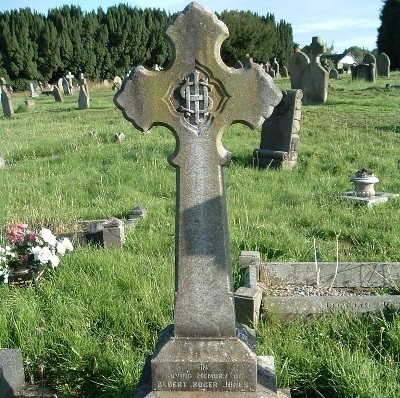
(103, 44)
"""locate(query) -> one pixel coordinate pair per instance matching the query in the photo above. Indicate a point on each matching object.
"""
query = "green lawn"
(89, 327)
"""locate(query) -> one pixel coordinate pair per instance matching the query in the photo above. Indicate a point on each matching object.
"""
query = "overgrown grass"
(89, 327)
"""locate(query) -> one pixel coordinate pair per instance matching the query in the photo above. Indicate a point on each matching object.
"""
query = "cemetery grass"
(87, 329)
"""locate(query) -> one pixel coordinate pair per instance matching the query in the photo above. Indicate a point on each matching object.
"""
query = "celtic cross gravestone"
(197, 97)
(314, 81)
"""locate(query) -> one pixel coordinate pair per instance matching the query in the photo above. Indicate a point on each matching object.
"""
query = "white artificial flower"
(67, 244)
(54, 260)
(48, 236)
(61, 248)
(42, 254)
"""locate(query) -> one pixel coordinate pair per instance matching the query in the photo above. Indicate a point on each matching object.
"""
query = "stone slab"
(363, 275)
(12, 377)
(203, 364)
(266, 387)
(379, 198)
(303, 306)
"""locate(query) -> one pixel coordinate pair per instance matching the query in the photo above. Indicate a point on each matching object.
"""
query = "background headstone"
(383, 65)
(60, 83)
(280, 133)
(69, 77)
(117, 83)
(30, 103)
(364, 71)
(298, 63)
(66, 86)
(275, 66)
(370, 59)
(83, 99)
(284, 71)
(314, 80)
(333, 74)
(33, 92)
(8, 107)
(57, 94)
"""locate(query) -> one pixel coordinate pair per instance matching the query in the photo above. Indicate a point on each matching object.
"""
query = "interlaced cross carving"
(198, 102)
(197, 97)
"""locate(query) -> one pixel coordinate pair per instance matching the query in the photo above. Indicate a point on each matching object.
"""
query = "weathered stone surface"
(383, 65)
(84, 97)
(6, 102)
(290, 306)
(280, 133)
(364, 71)
(314, 80)
(333, 74)
(113, 233)
(266, 385)
(170, 98)
(284, 71)
(378, 198)
(11, 372)
(370, 59)
(197, 97)
(250, 260)
(364, 275)
(57, 94)
(247, 305)
(298, 62)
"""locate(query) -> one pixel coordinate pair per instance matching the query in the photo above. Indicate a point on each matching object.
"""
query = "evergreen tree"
(284, 43)
(103, 44)
(48, 57)
(388, 40)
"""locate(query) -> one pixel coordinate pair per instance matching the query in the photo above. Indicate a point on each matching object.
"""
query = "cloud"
(336, 24)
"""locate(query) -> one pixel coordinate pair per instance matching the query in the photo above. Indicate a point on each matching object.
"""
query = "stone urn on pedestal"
(364, 182)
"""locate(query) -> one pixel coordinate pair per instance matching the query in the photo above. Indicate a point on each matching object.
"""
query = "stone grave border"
(104, 232)
(344, 275)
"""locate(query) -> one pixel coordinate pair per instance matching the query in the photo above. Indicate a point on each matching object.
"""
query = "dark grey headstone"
(11, 372)
(383, 65)
(314, 79)
(280, 133)
(6, 102)
(298, 63)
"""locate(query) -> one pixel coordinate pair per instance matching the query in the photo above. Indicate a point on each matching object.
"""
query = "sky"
(343, 23)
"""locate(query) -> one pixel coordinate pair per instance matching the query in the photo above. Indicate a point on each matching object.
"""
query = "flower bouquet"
(28, 254)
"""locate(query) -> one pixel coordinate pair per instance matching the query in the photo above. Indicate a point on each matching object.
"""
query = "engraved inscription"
(198, 103)
(204, 379)
(348, 305)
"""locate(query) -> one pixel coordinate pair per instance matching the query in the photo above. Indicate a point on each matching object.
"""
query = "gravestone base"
(378, 198)
(266, 385)
(197, 368)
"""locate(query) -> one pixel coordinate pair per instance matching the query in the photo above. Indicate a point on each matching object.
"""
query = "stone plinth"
(378, 198)
(266, 385)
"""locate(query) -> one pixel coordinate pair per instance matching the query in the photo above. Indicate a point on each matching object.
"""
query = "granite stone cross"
(197, 97)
